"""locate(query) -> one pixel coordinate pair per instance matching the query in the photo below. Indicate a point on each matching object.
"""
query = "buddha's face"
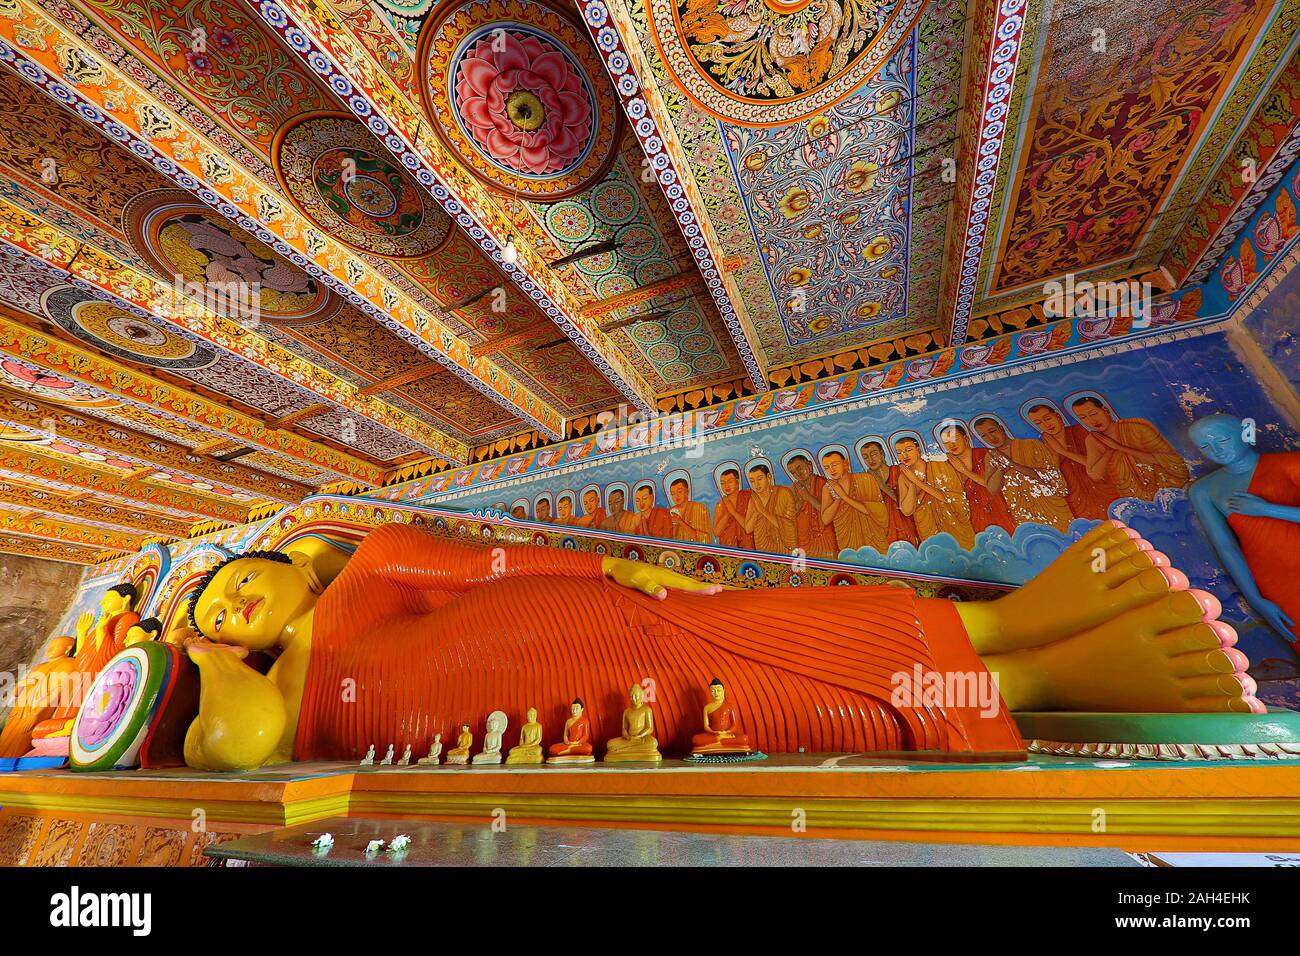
(575, 709)
(637, 695)
(532, 715)
(909, 452)
(875, 456)
(679, 493)
(954, 440)
(113, 602)
(834, 466)
(1093, 415)
(1047, 421)
(251, 600)
(991, 434)
(717, 692)
(591, 501)
(1219, 439)
(759, 480)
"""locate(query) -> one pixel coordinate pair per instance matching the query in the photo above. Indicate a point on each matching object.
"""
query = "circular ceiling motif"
(231, 270)
(342, 180)
(518, 93)
(123, 334)
(770, 63)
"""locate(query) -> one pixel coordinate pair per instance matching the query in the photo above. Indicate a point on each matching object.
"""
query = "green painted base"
(1164, 736)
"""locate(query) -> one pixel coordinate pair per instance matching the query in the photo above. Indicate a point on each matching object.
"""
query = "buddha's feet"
(1108, 571)
(1168, 655)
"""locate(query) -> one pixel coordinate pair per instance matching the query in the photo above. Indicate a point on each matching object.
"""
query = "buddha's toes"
(1166, 655)
(1109, 571)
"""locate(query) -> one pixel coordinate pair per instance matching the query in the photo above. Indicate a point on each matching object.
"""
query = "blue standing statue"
(1250, 508)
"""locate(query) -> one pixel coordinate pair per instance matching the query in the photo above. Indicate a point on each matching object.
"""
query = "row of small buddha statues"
(721, 736)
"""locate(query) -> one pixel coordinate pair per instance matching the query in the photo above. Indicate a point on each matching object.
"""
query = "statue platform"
(169, 817)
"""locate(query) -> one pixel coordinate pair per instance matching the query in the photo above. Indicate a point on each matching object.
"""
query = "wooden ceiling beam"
(26, 461)
(83, 508)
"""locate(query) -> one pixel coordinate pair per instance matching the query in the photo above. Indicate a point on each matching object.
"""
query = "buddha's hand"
(652, 579)
(200, 650)
(1243, 503)
(1274, 617)
(84, 623)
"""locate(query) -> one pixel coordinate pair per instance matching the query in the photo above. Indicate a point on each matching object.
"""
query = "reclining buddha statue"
(416, 634)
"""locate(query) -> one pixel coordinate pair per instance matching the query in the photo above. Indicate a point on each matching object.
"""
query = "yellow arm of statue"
(241, 713)
(651, 578)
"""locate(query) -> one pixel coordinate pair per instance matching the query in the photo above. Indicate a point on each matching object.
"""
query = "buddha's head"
(954, 437)
(532, 715)
(575, 709)
(990, 432)
(250, 599)
(1046, 419)
(118, 599)
(1220, 438)
(717, 691)
(637, 694)
(150, 629)
(1092, 413)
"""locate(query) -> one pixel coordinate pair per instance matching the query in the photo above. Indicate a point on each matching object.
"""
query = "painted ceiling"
(453, 222)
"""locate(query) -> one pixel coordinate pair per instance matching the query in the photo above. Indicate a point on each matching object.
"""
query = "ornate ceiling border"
(612, 32)
(983, 134)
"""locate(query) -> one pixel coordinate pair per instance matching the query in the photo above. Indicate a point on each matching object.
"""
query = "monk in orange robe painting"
(652, 521)
(813, 536)
(1130, 453)
(593, 515)
(735, 501)
(425, 631)
(981, 483)
(1087, 497)
(853, 505)
(691, 521)
(901, 527)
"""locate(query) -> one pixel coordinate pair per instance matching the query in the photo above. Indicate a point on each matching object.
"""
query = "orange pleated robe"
(434, 633)
(1272, 547)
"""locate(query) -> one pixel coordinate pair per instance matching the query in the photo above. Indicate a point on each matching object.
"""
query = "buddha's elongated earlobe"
(304, 564)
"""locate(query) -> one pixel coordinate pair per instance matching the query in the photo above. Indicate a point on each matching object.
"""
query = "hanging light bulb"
(510, 254)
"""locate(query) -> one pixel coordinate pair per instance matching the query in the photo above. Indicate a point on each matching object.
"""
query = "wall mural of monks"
(988, 481)
(1066, 457)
